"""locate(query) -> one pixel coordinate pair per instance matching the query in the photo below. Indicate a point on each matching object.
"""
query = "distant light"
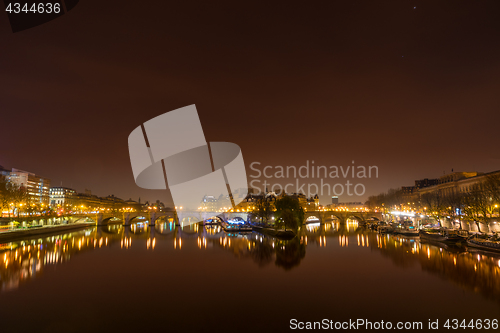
(402, 213)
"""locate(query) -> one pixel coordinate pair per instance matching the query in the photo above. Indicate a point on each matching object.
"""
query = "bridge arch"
(190, 219)
(85, 218)
(355, 217)
(110, 219)
(312, 219)
(213, 219)
(137, 219)
(163, 219)
(339, 217)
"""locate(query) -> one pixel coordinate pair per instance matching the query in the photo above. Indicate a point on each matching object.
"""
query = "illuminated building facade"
(37, 187)
(456, 182)
(61, 196)
(353, 206)
(89, 202)
(210, 203)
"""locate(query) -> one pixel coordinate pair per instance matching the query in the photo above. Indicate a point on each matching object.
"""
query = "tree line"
(14, 198)
(288, 212)
(11, 195)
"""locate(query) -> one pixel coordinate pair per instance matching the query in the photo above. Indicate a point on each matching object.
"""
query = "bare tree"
(434, 204)
(4, 193)
(453, 204)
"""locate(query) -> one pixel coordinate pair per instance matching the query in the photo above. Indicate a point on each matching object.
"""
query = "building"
(112, 202)
(409, 193)
(4, 172)
(455, 176)
(138, 207)
(457, 182)
(89, 202)
(408, 190)
(352, 206)
(312, 203)
(62, 197)
(421, 183)
(250, 201)
(302, 199)
(37, 187)
(85, 202)
(335, 200)
(210, 204)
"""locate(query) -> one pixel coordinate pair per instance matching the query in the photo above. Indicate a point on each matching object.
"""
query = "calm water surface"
(202, 279)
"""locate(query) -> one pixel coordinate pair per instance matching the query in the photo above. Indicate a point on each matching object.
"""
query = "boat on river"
(410, 232)
(211, 221)
(384, 228)
(406, 229)
(236, 225)
(236, 228)
(484, 243)
(443, 235)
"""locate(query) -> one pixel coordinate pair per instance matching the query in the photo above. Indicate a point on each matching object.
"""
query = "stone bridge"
(125, 218)
(128, 218)
(341, 216)
(189, 217)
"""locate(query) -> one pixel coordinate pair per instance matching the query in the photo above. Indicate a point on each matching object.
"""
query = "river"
(199, 278)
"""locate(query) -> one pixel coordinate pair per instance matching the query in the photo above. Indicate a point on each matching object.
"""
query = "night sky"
(410, 86)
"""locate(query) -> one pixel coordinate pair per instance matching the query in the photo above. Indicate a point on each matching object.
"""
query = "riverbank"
(14, 234)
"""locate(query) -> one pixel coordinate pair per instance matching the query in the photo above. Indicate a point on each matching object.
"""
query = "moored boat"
(442, 235)
(384, 228)
(408, 232)
(484, 244)
(236, 225)
(237, 228)
(211, 221)
(406, 229)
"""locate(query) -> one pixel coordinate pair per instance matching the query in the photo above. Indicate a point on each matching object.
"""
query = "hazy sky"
(409, 86)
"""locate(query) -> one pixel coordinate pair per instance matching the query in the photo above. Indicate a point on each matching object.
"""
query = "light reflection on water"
(473, 270)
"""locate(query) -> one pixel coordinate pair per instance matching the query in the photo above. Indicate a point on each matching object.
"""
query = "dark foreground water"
(122, 279)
